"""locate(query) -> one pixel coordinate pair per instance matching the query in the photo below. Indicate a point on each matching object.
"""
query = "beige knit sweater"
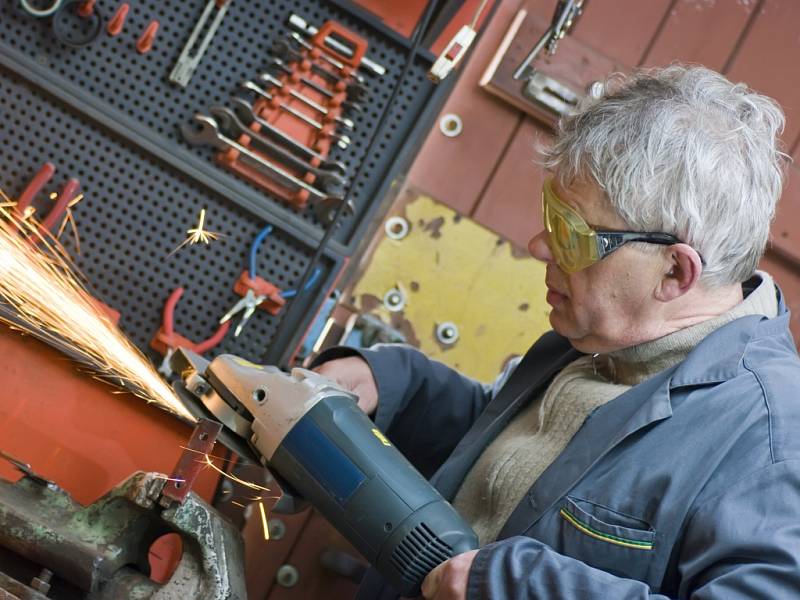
(511, 464)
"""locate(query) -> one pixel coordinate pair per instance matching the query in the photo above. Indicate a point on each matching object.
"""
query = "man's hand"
(448, 581)
(354, 375)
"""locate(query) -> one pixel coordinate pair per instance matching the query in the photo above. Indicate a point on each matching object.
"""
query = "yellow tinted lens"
(572, 241)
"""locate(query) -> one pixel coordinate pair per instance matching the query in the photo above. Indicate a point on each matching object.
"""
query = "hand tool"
(564, 18)
(308, 30)
(342, 141)
(348, 105)
(67, 195)
(244, 110)
(209, 135)
(251, 300)
(232, 127)
(337, 64)
(285, 51)
(354, 91)
(145, 42)
(256, 291)
(35, 185)
(187, 62)
(313, 437)
(165, 341)
(267, 78)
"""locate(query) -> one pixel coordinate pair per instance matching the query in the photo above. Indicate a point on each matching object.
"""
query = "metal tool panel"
(136, 210)
(136, 86)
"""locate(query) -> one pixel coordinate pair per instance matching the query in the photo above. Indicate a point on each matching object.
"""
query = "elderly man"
(649, 446)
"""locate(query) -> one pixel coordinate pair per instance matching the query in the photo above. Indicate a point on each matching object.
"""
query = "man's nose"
(539, 248)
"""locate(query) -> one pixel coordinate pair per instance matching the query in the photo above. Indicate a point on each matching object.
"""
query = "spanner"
(244, 110)
(232, 127)
(354, 91)
(209, 135)
(341, 140)
(336, 64)
(284, 50)
(267, 78)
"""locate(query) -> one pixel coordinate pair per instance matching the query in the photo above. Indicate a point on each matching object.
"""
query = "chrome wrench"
(244, 110)
(232, 127)
(209, 135)
(267, 78)
(341, 140)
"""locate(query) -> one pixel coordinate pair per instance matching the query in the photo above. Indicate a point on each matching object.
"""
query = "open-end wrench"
(354, 91)
(347, 105)
(209, 135)
(232, 127)
(341, 140)
(284, 50)
(302, 26)
(326, 209)
(244, 110)
(267, 78)
(336, 64)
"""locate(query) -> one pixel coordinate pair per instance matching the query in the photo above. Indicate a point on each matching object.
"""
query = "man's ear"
(683, 268)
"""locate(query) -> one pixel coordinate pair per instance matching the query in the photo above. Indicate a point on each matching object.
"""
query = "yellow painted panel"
(450, 269)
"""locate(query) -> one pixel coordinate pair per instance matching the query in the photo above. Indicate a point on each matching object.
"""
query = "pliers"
(248, 304)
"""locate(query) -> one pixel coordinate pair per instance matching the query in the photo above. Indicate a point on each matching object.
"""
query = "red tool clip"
(273, 300)
(166, 340)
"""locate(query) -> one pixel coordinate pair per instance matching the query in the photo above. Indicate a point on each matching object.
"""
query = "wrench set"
(279, 129)
(288, 112)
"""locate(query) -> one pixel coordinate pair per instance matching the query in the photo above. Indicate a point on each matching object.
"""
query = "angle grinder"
(313, 437)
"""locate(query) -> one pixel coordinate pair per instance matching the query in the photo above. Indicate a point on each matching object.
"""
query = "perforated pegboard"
(111, 73)
(135, 211)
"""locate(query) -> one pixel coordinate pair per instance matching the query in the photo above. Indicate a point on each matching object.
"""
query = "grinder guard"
(312, 434)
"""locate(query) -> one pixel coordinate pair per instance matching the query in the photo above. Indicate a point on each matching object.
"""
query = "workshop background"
(430, 250)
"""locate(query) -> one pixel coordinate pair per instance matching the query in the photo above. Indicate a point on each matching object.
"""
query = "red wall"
(487, 172)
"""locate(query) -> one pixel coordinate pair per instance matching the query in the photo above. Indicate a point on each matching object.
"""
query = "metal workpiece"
(101, 549)
(209, 135)
(244, 110)
(324, 179)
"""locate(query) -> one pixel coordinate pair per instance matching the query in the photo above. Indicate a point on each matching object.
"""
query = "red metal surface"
(454, 170)
(77, 431)
(166, 337)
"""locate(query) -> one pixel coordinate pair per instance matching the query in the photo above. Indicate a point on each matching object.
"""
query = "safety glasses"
(575, 245)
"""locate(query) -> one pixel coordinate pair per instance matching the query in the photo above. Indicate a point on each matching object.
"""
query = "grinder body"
(313, 436)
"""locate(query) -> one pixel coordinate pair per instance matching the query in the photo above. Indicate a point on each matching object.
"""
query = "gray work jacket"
(685, 486)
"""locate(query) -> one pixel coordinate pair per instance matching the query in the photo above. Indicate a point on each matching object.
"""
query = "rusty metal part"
(101, 549)
(190, 463)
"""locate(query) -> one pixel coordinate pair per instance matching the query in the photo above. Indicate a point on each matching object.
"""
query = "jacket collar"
(718, 357)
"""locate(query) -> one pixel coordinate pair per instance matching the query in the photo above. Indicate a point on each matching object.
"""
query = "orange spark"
(46, 298)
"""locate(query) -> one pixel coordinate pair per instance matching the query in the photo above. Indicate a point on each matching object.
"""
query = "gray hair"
(684, 151)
